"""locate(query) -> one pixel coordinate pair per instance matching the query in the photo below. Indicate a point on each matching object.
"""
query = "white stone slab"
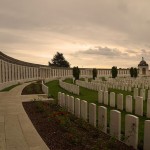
(102, 118)
(131, 130)
(115, 124)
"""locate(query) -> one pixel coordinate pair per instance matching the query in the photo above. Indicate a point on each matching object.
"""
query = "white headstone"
(106, 97)
(139, 106)
(77, 107)
(147, 135)
(120, 101)
(131, 130)
(92, 114)
(142, 93)
(148, 108)
(129, 103)
(112, 99)
(136, 92)
(102, 118)
(100, 96)
(115, 124)
(84, 109)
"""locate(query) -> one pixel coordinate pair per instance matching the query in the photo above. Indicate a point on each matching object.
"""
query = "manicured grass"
(9, 88)
(91, 96)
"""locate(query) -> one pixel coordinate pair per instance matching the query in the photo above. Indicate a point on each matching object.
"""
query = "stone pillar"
(115, 124)
(129, 103)
(18, 72)
(139, 106)
(131, 130)
(84, 109)
(147, 135)
(6, 71)
(77, 107)
(112, 99)
(13, 72)
(92, 114)
(3, 71)
(100, 96)
(102, 118)
(106, 97)
(120, 101)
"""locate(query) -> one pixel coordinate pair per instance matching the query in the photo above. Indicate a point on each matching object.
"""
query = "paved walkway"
(16, 129)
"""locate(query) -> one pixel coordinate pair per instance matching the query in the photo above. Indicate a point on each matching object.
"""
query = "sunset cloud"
(88, 33)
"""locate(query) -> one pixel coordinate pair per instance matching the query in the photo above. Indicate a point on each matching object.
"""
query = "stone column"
(10, 72)
(13, 68)
(6, 71)
(18, 73)
(3, 71)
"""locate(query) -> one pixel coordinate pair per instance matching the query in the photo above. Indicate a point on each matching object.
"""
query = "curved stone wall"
(13, 71)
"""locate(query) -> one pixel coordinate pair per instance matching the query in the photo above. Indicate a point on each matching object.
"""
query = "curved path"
(16, 129)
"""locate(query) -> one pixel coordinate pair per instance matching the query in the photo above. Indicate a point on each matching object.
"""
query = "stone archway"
(143, 71)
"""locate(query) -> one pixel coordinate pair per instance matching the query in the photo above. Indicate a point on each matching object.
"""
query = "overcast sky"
(90, 33)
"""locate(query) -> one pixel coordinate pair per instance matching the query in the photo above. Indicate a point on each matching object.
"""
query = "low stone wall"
(45, 88)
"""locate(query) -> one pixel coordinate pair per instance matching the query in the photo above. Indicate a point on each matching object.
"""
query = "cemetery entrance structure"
(143, 68)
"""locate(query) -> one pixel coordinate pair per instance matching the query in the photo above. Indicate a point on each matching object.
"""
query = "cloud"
(75, 28)
(104, 51)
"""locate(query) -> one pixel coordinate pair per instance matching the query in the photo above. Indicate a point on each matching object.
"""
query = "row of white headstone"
(103, 97)
(89, 85)
(88, 112)
(104, 87)
(142, 93)
(72, 88)
(124, 83)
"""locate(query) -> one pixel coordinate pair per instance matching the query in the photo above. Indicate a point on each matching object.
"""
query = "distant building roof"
(142, 63)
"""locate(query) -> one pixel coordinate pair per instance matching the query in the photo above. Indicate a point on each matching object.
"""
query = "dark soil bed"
(33, 88)
(62, 131)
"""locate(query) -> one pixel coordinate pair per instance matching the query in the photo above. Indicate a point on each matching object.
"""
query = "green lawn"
(91, 96)
(9, 88)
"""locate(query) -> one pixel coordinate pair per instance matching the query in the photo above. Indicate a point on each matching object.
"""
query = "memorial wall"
(13, 71)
